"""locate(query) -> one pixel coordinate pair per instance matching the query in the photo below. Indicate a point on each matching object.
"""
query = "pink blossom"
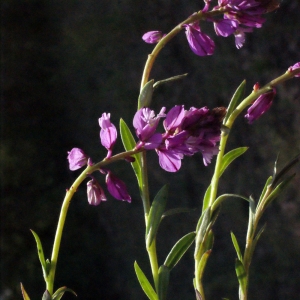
(77, 159)
(95, 193)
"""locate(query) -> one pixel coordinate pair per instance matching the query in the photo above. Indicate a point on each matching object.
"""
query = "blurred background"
(66, 62)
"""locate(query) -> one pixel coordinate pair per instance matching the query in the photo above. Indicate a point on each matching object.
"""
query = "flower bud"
(153, 37)
(95, 193)
(77, 159)
(117, 187)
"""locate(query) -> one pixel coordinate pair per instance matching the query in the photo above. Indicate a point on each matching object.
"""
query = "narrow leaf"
(241, 275)
(40, 253)
(267, 184)
(179, 249)
(255, 240)
(203, 225)
(163, 282)
(145, 96)
(144, 282)
(209, 241)
(206, 198)
(156, 211)
(156, 84)
(60, 292)
(251, 216)
(129, 144)
(235, 100)
(24, 294)
(223, 197)
(236, 246)
(202, 263)
(175, 211)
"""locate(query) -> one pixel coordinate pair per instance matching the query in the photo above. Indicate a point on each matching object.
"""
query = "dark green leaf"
(45, 267)
(175, 211)
(255, 240)
(163, 282)
(241, 275)
(202, 227)
(129, 144)
(179, 249)
(156, 211)
(60, 292)
(169, 80)
(223, 197)
(144, 282)
(145, 96)
(236, 246)
(24, 294)
(235, 100)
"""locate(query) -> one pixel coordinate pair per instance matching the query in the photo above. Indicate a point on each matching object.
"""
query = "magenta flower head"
(77, 159)
(260, 106)
(294, 67)
(108, 133)
(117, 187)
(200, 43)
(145, 123)
(153, 37)
(95, 193)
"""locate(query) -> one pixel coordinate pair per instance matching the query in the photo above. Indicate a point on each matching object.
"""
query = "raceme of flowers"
(239, 17)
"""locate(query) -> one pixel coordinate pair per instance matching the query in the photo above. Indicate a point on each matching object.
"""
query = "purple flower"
(240, 36)
(260, 106)
(153, 37)
(108, 133)
(77, 159)
(200, 43)
(169, 160)
(294, 67)
(225, 27)
(95, 193)
(145, 123)
(174, 117)
(117, 187)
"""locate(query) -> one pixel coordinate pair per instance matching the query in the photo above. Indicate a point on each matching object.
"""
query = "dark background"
(64, 63)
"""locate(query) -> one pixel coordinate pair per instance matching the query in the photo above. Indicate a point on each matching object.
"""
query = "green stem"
(65, 206)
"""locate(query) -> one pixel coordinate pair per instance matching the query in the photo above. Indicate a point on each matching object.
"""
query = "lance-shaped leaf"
(255, 240)
(179, 249)
(223, 197)
(144, 283)
(24, 294)
(251, 217)
(45, 266)
(235, 100)
(208, 241)
(146, 94)
(175, 211)
(241, 275)
(156, 211)
(202, 227)
(227, 159)
(47, 296)
(156, 84)
(163, 282)
(60, 292)
(236, 246)
(129, 144)
(202, 263)
(279, 188)
(267, 185)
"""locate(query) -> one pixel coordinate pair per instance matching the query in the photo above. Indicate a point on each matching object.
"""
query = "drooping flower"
(225, 27)
(169, 160)
(108, 133)
(77, 159)
(153, 37)
(117, 187)
(145, 123)
(200, 43)
(95, 193)
(260, 106)
(294, 67)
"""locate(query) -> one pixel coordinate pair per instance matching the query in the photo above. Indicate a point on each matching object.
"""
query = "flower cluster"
(239, 17)
(186, 133)
(77, 159)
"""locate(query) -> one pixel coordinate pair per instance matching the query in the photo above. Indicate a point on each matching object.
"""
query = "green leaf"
(60, 292)
(175, 211)
(279, 188)
(235, 100)
(156, 84)
(45, 266)
(241, 275)
(156, 211)
(255, 240)
(24, 294)
(251, 216)
(179, 249)
(47, 296)
(202, 227)
(163, 282)
(144, 282)
(236, 246)
(267, 184)
(209, 241)
(202, 263)
(227, 159)
(223, 197)
(129, 144)
(145, 96)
